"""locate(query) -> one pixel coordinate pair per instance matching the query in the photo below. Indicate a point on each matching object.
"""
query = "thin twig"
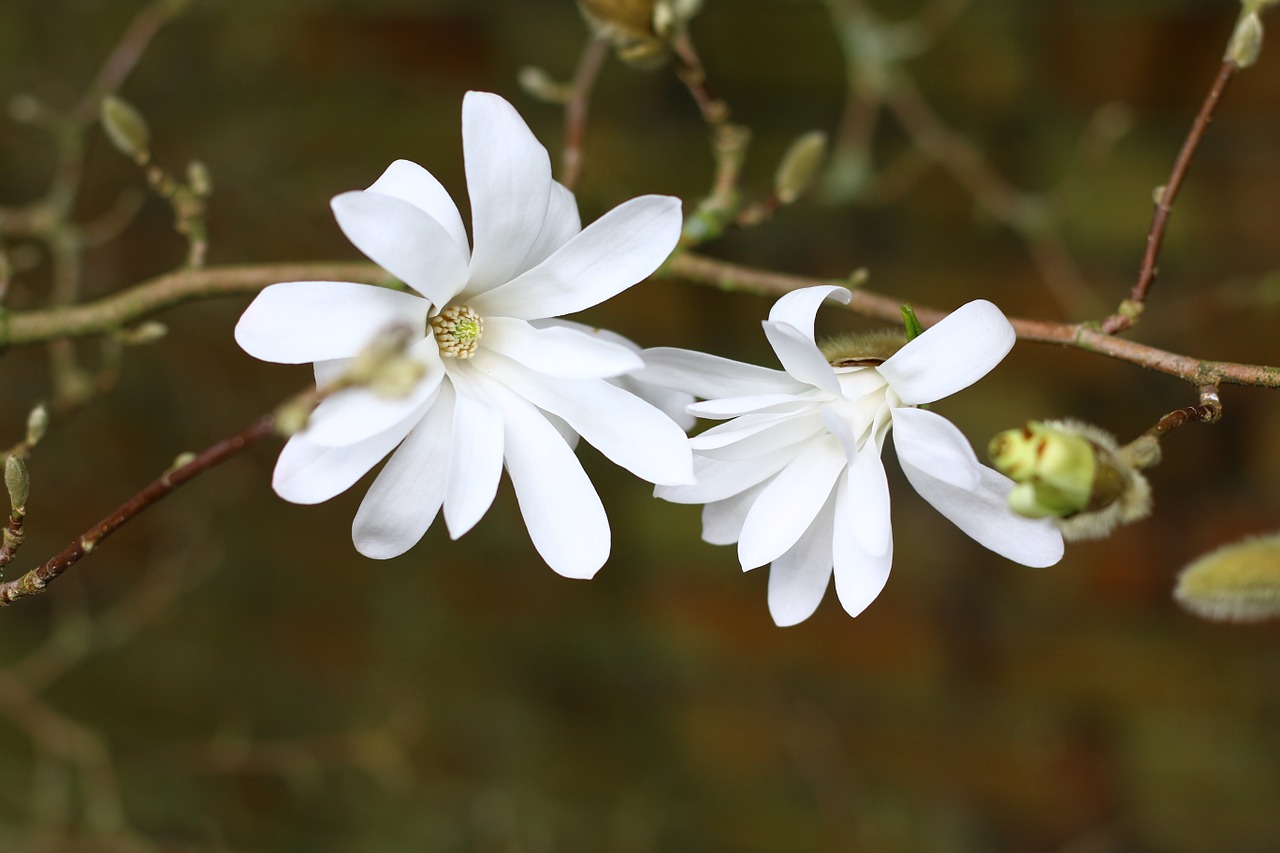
(38, 578)
(575, 111)
(1133, 306)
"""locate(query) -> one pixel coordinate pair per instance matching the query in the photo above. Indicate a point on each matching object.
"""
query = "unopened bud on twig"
(1239, 582)
(799, 166)
(126, 128)
(1075, 473)
(639, 30)
(543, 86)
(1246, 41)
(199, 179)
(37, 425)
(18, 483)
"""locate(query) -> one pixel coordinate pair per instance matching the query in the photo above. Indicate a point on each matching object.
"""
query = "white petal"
(961, 349)
(330, 370)
(710, 376)
(790, 431)
(722, 520)
(406, 496)
(308, 473)
(984, 515)
(303, 321)
(932, 443)
(729, 407)
(801, 357)
(673, 404)
(799, 578)
(354, 414)
(626, 429)
(860, 576)
(869, 498)
(410, 182)
(561, 509)
(789, 504)
(558, 350)
(561, 225)
(404, 241)
(509, 182)
(475, 465)
(718, 479)
(617, 250)
(799, 307)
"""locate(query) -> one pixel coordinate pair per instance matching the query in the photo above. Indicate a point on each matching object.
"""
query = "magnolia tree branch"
(1133, 306)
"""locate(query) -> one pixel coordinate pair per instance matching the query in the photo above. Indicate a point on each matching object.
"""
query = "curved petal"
(799, 307)
(308, 473)
(718, 479)
(722, 520)
(406, 496)
(404, 241)
(626, 429)
(561, 509)
(984, 516)
(562, 224)
(410, 182)
(790, 503)
(710, 376)
(860, 576)
(787, 432)
(673, 404)
(558, 350)
(296, 322)
(509, 182)
(762, 404)
(801, 357)
(799, 578)
(959, 350)
(354, 414)
(475, 465)
(930, 442)
(869, 497)
(617, 250)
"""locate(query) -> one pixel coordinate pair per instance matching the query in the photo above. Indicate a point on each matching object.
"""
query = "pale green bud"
(1239, 582)
(18, 483)
(199, 179)
(1246, 41)
(799, 166)
(37, 425)
(126, 128)
(543, 86)
(1075, 473)
(1055, 469)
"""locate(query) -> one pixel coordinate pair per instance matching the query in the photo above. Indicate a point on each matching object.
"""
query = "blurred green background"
(228, 674)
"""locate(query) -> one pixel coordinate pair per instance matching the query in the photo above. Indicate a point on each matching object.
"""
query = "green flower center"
(457, 330)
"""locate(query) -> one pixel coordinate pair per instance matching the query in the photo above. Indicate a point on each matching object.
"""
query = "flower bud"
(199, 179)
(126, 128)
(1246, 41)
(18, 483)
(638, 29)
(37, 425)
(862, 349)
(1075, 473)
(1239, 582)
(799, 166)
(542, 85)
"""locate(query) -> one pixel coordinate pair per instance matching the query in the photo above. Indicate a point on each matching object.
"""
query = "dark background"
(228, 674)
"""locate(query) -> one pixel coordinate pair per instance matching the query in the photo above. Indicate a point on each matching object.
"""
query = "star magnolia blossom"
(795, 476)
(502, 385)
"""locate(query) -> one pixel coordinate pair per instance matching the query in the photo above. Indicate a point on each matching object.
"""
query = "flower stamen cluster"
(457, 329)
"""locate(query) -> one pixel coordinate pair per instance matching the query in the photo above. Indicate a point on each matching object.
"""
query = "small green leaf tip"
(1239, 582)
(912, 323)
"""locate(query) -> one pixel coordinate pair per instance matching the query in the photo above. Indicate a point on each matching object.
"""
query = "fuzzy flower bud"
(126, 128)
(638, 29)
(37, 425)
(1075, 473)
(1246, 41)
(799, 166)
(18, 483)
(1239, 582)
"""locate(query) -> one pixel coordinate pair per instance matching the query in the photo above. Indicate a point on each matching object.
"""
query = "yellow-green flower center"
(457, 330)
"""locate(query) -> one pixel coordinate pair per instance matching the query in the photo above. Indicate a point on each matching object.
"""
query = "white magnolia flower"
(795, 476)
(502, 387)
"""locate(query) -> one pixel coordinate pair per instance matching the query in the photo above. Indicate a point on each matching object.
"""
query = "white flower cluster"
(793, 476)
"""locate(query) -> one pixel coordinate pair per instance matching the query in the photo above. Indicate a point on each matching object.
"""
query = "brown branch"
(38, 578)
(106, 315)
(1124, 318)
(125, 57)
(703, 270)
(575, 112)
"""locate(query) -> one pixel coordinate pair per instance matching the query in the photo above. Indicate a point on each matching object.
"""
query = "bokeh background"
(228, 674)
